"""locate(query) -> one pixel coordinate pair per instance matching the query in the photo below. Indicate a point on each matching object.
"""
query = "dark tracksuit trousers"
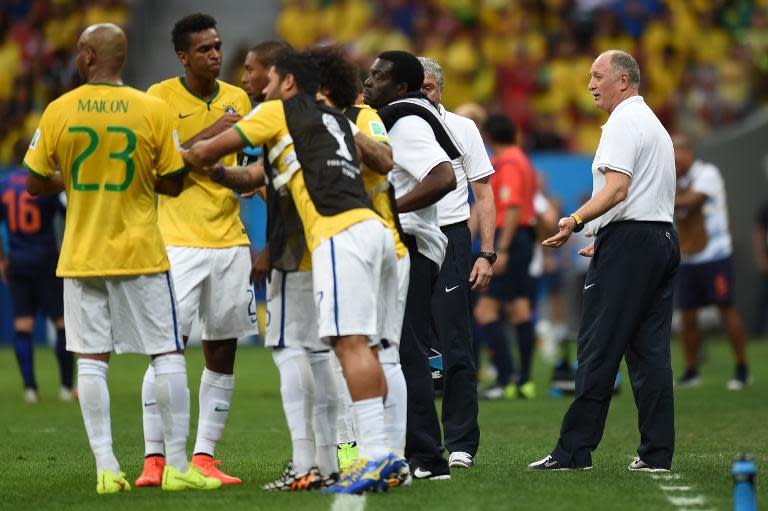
(423, 445)
(627, 312)
(451, 309)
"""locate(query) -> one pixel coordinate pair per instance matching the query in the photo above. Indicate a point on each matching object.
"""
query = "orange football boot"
(208, 466)
(152, 475)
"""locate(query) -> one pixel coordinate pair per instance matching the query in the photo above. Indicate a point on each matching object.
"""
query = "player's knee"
(486, 311)
(25, 324)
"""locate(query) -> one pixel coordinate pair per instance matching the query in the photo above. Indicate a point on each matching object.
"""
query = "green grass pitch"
(45, 462)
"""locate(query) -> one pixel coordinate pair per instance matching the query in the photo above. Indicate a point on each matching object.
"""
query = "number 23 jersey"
(110, 143)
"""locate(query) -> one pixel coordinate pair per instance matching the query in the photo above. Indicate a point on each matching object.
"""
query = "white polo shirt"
(635, 142)
(415, 152)
(473, 164)
(705, 178)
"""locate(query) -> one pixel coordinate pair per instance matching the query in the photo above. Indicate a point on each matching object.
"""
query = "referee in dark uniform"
(627, 307)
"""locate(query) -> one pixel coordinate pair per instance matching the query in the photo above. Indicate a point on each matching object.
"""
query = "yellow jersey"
(111, 143)
(205, 214)
(376, 184)
(266, 124)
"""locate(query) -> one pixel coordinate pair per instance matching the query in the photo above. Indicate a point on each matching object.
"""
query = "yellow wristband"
(578, 218)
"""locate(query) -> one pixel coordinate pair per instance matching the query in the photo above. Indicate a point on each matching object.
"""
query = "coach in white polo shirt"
(627, 307)
(458, 275)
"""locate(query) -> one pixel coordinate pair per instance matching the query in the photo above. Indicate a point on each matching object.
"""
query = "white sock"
(94, 405)
(324, 413)
(395, 408)
(345, 431)
(297, 388)
(153, 423)
(215, 400)
(369, 419)
(173, 405)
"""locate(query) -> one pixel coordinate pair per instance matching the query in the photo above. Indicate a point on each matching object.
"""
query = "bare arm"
(207, 152)
(438, 182)
(375, 155)
(759, 248)
(615, 190)
(171, 185)
(223, 123)
(689, 199)
(485, 211)
(51, 186)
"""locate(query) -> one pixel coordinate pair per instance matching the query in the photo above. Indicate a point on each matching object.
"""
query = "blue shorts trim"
(281, 341)
(335, 295)
(173, 311)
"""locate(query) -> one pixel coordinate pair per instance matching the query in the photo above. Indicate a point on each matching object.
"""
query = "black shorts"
(516, 281)
(31, 294)
(699, 285)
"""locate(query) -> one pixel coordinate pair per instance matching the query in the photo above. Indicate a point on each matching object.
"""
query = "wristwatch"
(489, 256)
(579, 222)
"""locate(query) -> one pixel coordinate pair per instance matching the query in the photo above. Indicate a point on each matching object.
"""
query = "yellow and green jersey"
(376, 184)
(266, 124)
(110, 143)
(205, 214)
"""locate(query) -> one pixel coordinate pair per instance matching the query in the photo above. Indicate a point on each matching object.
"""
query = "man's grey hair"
(433, 69)
(623, 62)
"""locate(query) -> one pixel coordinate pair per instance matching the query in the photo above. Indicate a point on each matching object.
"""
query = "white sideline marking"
(675, 488)
(687, 501)
(343, 502)
(666, 477)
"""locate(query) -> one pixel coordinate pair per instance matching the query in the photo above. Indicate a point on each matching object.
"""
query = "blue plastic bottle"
(744, 498)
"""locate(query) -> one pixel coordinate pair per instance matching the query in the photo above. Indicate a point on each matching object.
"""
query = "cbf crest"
(229, 109)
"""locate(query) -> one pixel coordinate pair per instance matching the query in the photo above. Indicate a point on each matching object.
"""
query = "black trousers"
(423, 446)
(627, 311)
(451, 306)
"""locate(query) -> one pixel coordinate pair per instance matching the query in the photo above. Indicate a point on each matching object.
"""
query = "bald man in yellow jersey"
(115, 147)
(207, 246)
(310, 154)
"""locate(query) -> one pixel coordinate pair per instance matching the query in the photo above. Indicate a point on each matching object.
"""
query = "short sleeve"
(708, 182)
(261, 124)
(414, 147)
(243, 103)
(476, 161)
(618, 149)
(40, 160)
(372, 126)
(168, 159)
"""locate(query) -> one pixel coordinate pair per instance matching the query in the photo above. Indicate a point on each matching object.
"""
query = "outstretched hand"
(566, 226)
(589, 250)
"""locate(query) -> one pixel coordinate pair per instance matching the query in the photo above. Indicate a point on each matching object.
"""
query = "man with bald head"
(114, 146)
(627, 306)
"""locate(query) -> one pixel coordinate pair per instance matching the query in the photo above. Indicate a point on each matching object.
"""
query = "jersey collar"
(213, 96)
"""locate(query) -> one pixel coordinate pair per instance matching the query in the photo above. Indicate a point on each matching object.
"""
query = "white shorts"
(391, 322)
(135, 314)
(291, 318)
(351, 272)
(214, 285)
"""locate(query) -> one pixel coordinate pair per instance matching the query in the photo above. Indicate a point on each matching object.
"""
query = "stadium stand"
(704, 62)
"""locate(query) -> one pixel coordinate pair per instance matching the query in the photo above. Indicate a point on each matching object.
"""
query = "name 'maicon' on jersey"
(110, 143)
(205, 214)
(29, 220)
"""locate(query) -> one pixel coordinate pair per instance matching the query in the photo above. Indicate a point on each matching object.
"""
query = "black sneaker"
(689, 380)
(550, 463)
(740, 379)
(290, 480)
(430, 472)
(639, 465)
